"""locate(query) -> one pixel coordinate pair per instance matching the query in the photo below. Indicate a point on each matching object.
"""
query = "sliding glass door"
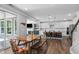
(7, 29)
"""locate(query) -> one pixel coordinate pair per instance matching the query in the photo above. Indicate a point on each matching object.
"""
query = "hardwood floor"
(59, 46)
(54, 46)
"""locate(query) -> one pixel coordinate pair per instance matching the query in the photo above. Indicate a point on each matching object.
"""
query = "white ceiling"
(42, 11)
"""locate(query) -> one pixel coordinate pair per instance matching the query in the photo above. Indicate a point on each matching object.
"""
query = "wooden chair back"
(22, 37)
(13, 45)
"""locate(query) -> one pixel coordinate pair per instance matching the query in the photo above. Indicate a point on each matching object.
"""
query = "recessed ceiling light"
(69, 14)
(50, 16)
(65, 19)
(26, 9)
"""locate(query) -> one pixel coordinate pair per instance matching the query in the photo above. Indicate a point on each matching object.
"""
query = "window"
(9, 27)
(7, 23)
(2, 26)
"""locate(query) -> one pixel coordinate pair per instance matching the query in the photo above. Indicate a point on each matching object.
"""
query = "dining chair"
(18, 50)
(39, 46)
(22, 39)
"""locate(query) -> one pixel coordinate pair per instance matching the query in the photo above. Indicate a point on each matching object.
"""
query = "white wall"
(21, 28)
(75, 37)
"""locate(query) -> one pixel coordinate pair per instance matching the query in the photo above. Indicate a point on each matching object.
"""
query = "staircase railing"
(74, 27)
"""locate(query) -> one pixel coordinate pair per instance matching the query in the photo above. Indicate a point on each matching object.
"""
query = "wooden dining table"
(29, 40)
(32, 39)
